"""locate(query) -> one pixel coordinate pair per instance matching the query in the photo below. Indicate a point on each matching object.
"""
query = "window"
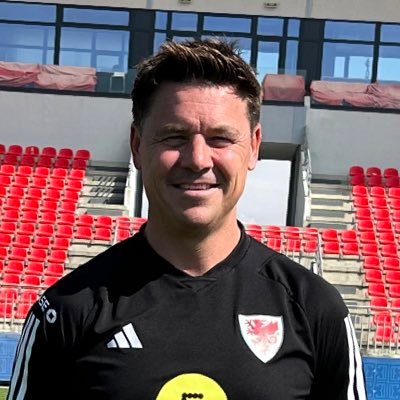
(349, 30)
(89, 16)
(292, 47)
(270, 26)
(267, 59)
(27, 43)
(184, 21)
(389, 64)
(227, 24)
(390, 33)
(27, 12)
(161, 20)
(105, 50)
(347, 60)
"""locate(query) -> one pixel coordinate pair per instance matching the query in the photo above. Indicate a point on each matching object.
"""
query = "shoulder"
(311, 292)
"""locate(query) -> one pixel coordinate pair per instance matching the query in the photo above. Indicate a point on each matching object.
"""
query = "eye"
(219, 141)
(174, 140)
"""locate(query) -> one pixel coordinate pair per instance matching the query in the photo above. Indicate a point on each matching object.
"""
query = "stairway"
(331, 208)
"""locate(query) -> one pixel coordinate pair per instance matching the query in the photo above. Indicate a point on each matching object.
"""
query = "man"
(190, 307)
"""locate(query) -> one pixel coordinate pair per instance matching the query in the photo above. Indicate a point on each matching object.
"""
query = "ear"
(255, 143)
(135, 146)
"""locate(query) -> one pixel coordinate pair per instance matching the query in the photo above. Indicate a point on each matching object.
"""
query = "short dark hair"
(210, 61)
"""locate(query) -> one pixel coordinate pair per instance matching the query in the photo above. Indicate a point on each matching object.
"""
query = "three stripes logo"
(125, 339)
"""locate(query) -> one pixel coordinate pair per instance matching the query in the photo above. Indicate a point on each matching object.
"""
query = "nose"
(196, 155)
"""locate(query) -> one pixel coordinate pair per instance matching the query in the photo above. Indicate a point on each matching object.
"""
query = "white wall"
(338, 139)
(99, 124)
(372, 10)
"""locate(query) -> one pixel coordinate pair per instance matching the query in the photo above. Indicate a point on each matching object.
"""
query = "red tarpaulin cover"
(17, 74)
(67, 78)
(281, 87)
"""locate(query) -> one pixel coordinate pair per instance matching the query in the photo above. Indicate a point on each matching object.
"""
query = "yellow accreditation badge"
(191, 386)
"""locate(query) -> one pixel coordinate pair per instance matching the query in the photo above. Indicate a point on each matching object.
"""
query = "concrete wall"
(368, 10)
(99, 124)
(338, 139)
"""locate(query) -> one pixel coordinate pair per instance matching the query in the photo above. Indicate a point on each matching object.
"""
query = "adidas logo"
(125, 339)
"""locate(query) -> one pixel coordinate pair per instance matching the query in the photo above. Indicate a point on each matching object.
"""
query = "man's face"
(194, 150)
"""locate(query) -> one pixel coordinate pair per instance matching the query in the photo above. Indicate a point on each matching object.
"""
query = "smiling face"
(194, 150)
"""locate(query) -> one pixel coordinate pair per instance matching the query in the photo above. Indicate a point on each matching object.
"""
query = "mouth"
(196, 186)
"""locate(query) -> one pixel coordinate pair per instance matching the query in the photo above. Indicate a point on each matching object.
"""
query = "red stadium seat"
(392, 277)
(375, 180)
(5, 239)
(74, 185)
(360, 202)
(389, 250)
(34, 268)
(54, 269)
(78, 163)
(50, 280)
(21, 182)
(373, 171)
(85, 220)
(66, 152)
(376, 289)
(330, 235)
(31, 150)
(14, 267)
(49, 151)
(390, 171)
(34, 193)
(357, 180)
(374, 276)
(6, 310)
(331, 247)
(46, 230)
(76, 174)
(394, 204)
(384, 334)
(44, 161)
(377, 191)
(12, 279)
(8, 227)
(292, 245)
(379, 203)
(41, 172)
(27, 160)
(394, 193)
(369, 249)
(66, 219)
(52, 194)
(350, 249)
(64, 231)
(18, 253)
(391, 264)
(24, 170)
(23, 241)
(39, 255)
(8, 295)
(22, 310)
(381, 214)
(38, 182)
(41, 242)
(392, 182)
(15, 149)
(367, 237)
(11, 215)
(7, 170)
(70, 196)
(103, 221)
(83, 154)
(31, 281)
(348, 236)
(28, 296)
(292, 232)
(382, 319)
(274, 243)
(122, 234)
(67, 207)
(26, 228)
(60, 243)
(356, 170)
(57, 256)
(384, 226)
(48, 217)
(387, 238)
(59, 173)
(310, 246)
(61, 162)
(363, 214)
(104, 234)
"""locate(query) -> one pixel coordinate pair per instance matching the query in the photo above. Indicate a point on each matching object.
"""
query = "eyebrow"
(181, 128)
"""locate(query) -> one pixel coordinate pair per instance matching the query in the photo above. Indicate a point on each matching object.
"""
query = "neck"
(194, 251)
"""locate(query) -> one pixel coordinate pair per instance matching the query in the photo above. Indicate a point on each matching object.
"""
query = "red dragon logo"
(263, 334)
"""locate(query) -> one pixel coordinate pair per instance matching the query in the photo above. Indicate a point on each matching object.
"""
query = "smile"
(197, 186)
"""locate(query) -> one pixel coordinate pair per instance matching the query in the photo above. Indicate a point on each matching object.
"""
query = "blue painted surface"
(8, 345)
(382, 377)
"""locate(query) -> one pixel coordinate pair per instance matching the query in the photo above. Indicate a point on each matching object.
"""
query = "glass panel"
(184, 22)
(294, 28)
(180, 39)
(243, 44)
(292, 47)
(27, 12)
(348, 61)
(161, 20)
(270, 26)
(159, 39)
(389, 63)
(390, 33)
(105, 17)
(227, 24)
(27, 43)
(102, 49)
(349, 30)
(267, 59)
